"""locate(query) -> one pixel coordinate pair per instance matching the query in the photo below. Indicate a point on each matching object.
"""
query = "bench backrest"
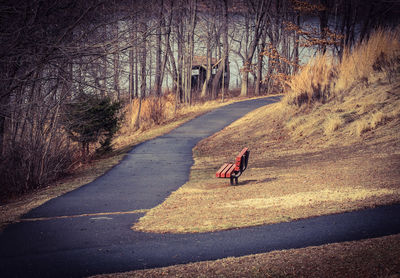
(242, 159)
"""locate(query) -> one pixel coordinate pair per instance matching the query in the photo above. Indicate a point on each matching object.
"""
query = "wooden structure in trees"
(199, 70)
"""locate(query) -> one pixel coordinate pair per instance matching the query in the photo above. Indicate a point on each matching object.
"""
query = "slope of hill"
(331, 145)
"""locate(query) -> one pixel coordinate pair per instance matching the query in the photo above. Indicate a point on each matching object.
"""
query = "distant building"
(199, 71)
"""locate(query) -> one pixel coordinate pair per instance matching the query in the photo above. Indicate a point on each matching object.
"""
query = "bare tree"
(208, 26)
(191, 25)
(256, 14)
(223, 68)
(143, 57)
(158, 79)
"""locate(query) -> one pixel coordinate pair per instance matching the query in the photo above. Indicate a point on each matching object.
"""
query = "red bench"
(234, 170)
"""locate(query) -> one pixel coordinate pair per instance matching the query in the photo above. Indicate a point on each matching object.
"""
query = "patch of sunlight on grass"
(305, 128)
(333, 123)
(311, 198)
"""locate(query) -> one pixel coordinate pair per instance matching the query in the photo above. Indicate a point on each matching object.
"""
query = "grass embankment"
(367, 258)
(157, 117)
(331, 145)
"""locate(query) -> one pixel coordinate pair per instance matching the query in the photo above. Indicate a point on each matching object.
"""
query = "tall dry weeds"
(380, 50)
(157, 115)
(314, 81)
(154, 111)
(324, 77)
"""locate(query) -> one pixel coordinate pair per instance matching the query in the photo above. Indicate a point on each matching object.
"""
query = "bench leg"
(234, 180)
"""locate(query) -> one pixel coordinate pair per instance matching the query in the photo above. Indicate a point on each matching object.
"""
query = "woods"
(57, 53)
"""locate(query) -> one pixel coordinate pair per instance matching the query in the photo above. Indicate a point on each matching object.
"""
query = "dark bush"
(91, 119)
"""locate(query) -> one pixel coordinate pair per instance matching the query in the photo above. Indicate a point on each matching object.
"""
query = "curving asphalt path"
(93, 244)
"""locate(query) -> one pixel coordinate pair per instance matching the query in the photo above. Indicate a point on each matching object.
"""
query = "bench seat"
(234, 170)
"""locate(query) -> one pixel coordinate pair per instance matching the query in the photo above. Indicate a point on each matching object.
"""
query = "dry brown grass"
(297, 168)
(358, 64)
(158, 116)
(377, 257)
(293, 179)
(325, 77)
(314, 82)
(309, 160)
(352, 114)
(317, 159)
(333, 123)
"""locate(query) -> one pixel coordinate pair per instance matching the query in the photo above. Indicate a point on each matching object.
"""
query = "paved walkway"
(60, 246)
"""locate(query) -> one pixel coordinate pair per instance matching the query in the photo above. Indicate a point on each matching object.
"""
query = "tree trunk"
(3, 122)
(260, 63)
(137, 53)
(206, 84)
(157, 83)
(116, 62)
(143, 56)
(190, 51)
(296, 46)
(103, 69)
(244, 89)
(131, 75)
(260, 11)
(174, 72)
(323, 24)
(225, 31)
(257, 90)
(216, 82)
(137, 120)
(167, 44)
(222, 69)
(180, 75)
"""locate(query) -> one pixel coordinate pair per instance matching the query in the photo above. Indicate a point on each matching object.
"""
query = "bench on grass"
(234, 170)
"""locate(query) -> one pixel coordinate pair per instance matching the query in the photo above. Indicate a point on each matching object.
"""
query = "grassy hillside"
(365, 259)
(331, 145)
